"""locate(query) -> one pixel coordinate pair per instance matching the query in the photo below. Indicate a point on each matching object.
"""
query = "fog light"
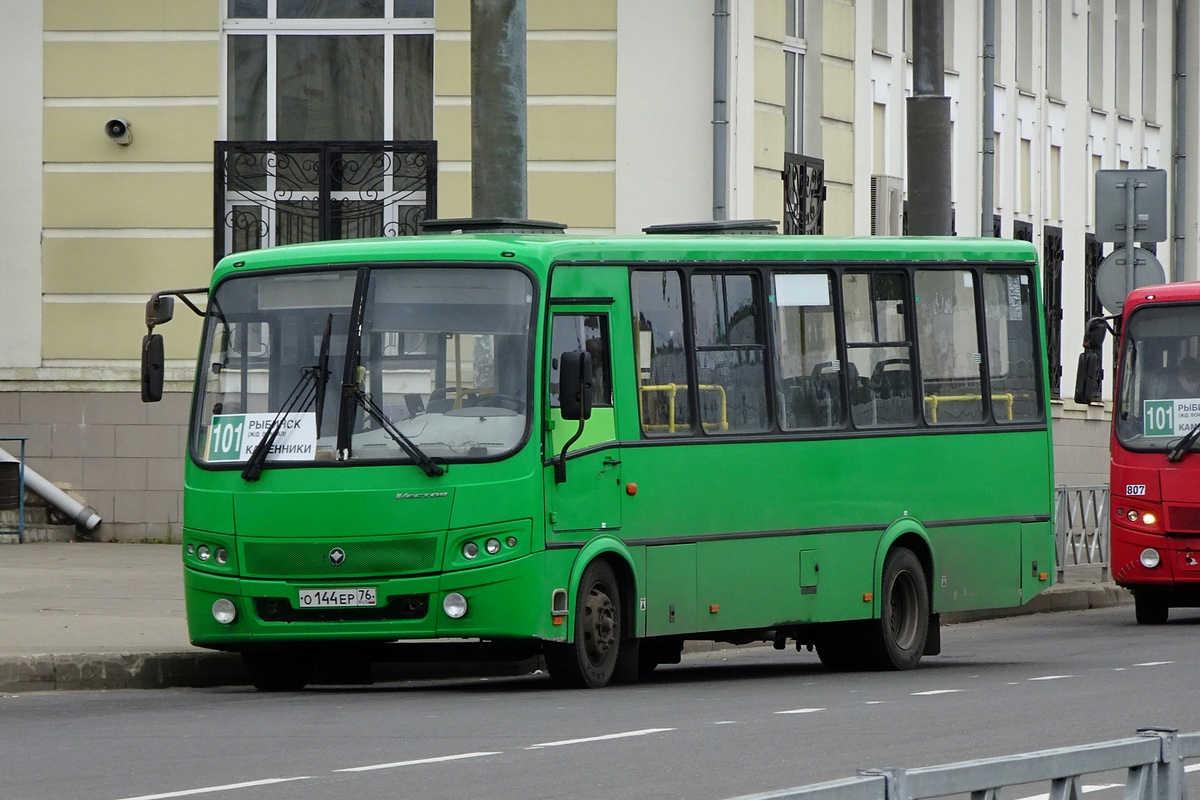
(223, 611)
(455, 605)
(221, 556)
(1149, 558)
(202, 552)
(492, 546)
(470, 550)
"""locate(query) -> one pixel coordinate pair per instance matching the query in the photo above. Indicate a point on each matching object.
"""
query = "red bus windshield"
(1159, 396)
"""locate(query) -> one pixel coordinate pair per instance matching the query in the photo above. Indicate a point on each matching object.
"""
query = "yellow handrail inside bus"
(935, 399)
(672, 389)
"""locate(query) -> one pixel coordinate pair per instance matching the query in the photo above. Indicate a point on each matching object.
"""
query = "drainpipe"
(1179, 179)
(720, 169)
(988, 182)
(85, 517)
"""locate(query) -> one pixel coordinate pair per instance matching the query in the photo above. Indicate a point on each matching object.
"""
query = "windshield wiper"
(301, 397)
(427, 464)
(1185, 444)
(323, 371)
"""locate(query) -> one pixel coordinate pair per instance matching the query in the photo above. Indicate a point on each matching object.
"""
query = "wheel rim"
(599, 624)
(902, 619)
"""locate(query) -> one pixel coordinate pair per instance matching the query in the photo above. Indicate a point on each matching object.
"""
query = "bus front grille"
(1183, 519)
(332, 559)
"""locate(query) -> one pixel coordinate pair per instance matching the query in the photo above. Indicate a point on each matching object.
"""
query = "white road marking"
(1154, 664)
(875, 702)
(225, 788)
(801, 711)
(1052, 677)
(625, 735)
(726, 722)
(417, 761)
(936, 691)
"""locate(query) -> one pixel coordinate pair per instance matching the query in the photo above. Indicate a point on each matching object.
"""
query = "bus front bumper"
(498, 599)
(1155, 561)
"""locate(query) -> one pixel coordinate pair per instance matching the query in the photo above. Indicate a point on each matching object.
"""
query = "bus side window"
(806, 335)
(662, 373)
(584, 333)
(1012, 348)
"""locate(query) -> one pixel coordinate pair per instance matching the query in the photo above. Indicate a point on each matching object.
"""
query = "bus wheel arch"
(900, 634)
(589, 659)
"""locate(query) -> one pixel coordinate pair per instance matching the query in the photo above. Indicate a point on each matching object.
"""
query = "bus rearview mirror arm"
(160, 308)
(575, 400)
(1089, 374)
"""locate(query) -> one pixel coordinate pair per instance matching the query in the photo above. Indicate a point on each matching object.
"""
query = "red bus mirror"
(1088, 376)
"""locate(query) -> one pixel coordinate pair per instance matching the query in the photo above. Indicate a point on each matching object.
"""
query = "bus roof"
(545, 249)
(1181, 292)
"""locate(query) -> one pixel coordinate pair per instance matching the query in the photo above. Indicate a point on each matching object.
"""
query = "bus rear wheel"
(278, 670)
(1149, 609)
(897, 638)
(591, 660)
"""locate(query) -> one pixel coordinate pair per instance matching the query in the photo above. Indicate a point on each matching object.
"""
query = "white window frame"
(795, 48)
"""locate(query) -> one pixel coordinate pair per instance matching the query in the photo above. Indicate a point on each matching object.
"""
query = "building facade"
(638, 113)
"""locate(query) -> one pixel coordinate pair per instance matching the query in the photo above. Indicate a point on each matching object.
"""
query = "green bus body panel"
(714, 534)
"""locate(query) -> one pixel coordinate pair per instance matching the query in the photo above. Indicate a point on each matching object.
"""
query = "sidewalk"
(111, 616)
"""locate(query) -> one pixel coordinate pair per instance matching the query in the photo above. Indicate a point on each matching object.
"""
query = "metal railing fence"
(1081, 528)
(1153, 760)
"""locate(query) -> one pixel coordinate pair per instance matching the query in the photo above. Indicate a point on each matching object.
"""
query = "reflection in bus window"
(806, 339)
(879, 373)
(580, 333)
(730, 355)
(1012, 361)
(661, 354)
(951, 361)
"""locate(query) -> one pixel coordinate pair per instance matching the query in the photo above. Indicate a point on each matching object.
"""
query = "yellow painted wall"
(131, 15)
(128, 200)
(121, 265)
(132, 69)
(161, 134)
(69, 331)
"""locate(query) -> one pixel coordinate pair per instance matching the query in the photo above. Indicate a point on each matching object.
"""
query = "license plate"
(356, 597)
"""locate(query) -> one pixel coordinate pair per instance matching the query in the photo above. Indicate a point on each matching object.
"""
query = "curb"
(202, 669)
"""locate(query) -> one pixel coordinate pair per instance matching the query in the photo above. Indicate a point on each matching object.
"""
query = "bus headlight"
(1149, 558)
(455, 605)
(470, 550)
(492, 546)
(223, 611)
(221, 555)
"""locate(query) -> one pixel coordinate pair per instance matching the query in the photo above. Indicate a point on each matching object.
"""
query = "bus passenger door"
(589, 500)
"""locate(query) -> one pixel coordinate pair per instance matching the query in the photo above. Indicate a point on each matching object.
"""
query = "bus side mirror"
(1087, 376)
(159, 309)
(1093, 337)
(575, 390)
(152, 367)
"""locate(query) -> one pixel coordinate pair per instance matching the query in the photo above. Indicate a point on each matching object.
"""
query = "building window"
(794, 49)
(317, 70)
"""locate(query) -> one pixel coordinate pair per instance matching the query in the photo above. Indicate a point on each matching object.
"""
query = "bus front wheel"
(278, 671)
(591, 659)
(1149, 609)
(897, 638)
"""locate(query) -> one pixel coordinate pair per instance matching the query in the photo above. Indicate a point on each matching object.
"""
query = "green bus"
(508, 440)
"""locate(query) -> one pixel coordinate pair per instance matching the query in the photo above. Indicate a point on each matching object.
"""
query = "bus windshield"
(366, 364)
(1159, 394)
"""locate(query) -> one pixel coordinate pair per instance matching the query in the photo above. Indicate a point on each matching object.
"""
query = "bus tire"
(897, 638)
(590, 661)
(1150, 609)
(278, 671)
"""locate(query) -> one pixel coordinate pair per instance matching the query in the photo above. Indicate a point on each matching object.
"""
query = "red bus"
(1155, 464)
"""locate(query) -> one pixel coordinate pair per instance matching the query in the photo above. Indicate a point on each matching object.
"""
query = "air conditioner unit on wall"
(887, 205)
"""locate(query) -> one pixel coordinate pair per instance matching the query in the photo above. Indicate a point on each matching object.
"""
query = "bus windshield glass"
(366, 365)
(1159, 394)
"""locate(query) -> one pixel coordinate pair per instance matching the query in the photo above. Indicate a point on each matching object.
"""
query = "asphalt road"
(721, 724)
